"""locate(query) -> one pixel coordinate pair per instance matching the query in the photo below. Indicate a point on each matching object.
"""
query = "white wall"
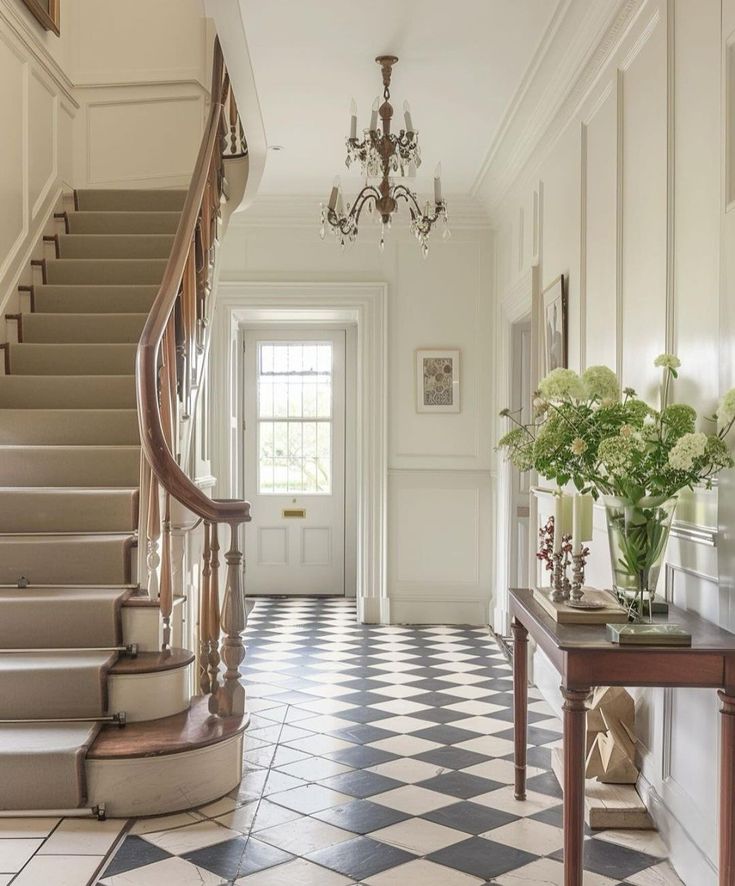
(624, 194)
(118, 100)
(439, 493)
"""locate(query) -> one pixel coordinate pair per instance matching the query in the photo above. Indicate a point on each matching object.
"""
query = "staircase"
(96, 707)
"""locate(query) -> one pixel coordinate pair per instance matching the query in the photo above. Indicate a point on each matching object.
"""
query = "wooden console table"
(584, 658)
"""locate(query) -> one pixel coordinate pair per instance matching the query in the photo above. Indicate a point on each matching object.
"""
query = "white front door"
(294, 461)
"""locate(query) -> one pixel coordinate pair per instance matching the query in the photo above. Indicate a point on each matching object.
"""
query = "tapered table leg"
(520, 705)
(727, 788)
(575, 724)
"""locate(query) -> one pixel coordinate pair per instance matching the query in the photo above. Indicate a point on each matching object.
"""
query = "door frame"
(363, 306)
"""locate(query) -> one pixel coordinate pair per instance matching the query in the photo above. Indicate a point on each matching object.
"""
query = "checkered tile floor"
(379, 756)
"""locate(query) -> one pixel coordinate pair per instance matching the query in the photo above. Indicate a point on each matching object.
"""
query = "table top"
(706, 636)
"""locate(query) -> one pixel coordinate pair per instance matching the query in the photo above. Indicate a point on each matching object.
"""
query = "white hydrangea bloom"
(669, 361)
(726, 411)
(686, 450)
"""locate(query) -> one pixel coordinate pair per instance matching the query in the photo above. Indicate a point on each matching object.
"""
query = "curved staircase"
(96, 707)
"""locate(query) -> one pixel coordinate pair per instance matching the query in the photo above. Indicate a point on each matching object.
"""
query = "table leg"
(727, 788)
(520, 704)
(575, 743)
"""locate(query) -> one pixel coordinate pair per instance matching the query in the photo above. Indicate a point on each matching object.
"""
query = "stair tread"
(192, 729)
(153, 662)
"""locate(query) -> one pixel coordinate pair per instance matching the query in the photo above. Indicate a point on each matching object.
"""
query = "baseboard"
(687, 859)
(429, 611)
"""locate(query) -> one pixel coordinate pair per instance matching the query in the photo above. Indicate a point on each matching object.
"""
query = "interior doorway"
(520, 487)
(297, 394)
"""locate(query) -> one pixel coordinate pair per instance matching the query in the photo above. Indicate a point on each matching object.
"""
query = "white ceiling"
(461, 62)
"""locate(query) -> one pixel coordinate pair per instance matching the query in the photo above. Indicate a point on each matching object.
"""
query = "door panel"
(294, 460)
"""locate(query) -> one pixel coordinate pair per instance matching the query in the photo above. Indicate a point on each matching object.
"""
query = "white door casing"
(294, 460)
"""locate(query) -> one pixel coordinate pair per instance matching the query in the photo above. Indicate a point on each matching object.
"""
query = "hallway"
(378, 755)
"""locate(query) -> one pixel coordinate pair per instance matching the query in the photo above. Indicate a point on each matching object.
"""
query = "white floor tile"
(407, 769)
(503, 799)
(481, 725)
(58, 870)
(186, 839)
(295, 873)
(20, 828)
(500, 770)
(15, 853)
(163, 822)
(75, 836)
(402, 724)
(304, 835)
(488, 745)
(542, 839)
(169, 872)
(412, 799)
(400, 706)
(425, 873)
(419, 836)
(405, 745)
(547, 872)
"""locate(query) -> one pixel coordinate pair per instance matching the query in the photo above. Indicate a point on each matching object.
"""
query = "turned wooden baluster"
(234, 123)
(166, 594)
(188, 313)
(204, 606)
(230, 698)
(153, 535)
(213, 618)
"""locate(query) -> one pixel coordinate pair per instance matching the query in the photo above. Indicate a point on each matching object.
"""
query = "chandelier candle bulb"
(374, 116)
(407, 117)
(334, 194)
(438, 184)
(353, 120)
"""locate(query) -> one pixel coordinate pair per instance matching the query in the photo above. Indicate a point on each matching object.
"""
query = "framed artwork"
(554, 305)
(46, 13)
(437, 380)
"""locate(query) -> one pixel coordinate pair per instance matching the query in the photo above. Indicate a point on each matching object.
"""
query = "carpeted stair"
(69, 474)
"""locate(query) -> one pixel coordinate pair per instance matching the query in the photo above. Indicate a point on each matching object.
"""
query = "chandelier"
(380, 154)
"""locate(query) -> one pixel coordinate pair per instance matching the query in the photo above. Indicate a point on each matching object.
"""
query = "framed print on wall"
(46, 13)
(554, 304)
(437, 380)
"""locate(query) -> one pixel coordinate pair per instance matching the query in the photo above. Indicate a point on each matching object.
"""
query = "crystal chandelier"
(380, 154)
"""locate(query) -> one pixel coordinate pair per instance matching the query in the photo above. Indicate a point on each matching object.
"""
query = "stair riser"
(69, 427)
(93, 246)
(72, 359)
(69, 561)
(32, 618)
(142, 625)
(123, 222)
(56, 392)
(105, 272)
(129, 200)
(85, 466)
(150, 696)
(58, 299)
(139, 786)
(82, 329)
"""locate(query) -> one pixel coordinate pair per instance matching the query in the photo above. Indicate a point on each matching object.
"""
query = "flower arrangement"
(611, 443)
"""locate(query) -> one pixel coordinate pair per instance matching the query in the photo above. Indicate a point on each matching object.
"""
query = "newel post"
(229, 700)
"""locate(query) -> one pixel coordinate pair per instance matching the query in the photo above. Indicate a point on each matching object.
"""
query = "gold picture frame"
(554, 320)
(46, 13)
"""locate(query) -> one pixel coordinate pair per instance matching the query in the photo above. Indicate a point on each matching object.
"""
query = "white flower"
(649, 420)
(562, 384)
(726, 411)
(669, 361)
(601, 383)
(578, 446)
(686, 450)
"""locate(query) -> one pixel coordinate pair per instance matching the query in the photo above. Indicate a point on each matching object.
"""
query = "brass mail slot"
(294, 512)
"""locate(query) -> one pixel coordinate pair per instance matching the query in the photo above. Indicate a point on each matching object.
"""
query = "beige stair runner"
(69, 474)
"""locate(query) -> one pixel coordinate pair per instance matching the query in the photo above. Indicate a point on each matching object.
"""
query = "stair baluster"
(214, 616)
(153, 534)
(229, 700)
(166, 595)
(204, 607)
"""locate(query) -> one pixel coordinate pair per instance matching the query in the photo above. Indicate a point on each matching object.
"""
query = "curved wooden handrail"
(153, 434)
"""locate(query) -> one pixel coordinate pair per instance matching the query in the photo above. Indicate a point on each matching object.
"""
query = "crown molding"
(582, 38)
(303, 211)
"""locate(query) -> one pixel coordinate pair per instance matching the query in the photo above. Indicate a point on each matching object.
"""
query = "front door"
(294, 461)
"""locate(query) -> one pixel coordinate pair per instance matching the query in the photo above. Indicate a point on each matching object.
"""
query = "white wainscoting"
(439, 562)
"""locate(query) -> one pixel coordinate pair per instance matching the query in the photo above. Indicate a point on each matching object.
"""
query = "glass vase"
(638, 533)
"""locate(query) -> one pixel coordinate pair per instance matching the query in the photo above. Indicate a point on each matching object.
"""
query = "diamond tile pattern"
(378, 755)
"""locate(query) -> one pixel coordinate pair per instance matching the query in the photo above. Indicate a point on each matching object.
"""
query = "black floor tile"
(361, 816)
(135, 852)
(481, 857)
(460, 784)
(361, 783)
(452, 758)
(612, 860)
(360, 858)
(237, 857)
(472, 818)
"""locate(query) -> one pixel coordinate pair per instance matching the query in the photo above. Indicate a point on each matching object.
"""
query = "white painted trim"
(365, 305)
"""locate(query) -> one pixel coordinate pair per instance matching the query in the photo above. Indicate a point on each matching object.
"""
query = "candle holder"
(579, 562)
(566, 551)
(557, 587)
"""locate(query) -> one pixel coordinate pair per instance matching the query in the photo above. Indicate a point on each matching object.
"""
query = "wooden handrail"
(153, 433)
